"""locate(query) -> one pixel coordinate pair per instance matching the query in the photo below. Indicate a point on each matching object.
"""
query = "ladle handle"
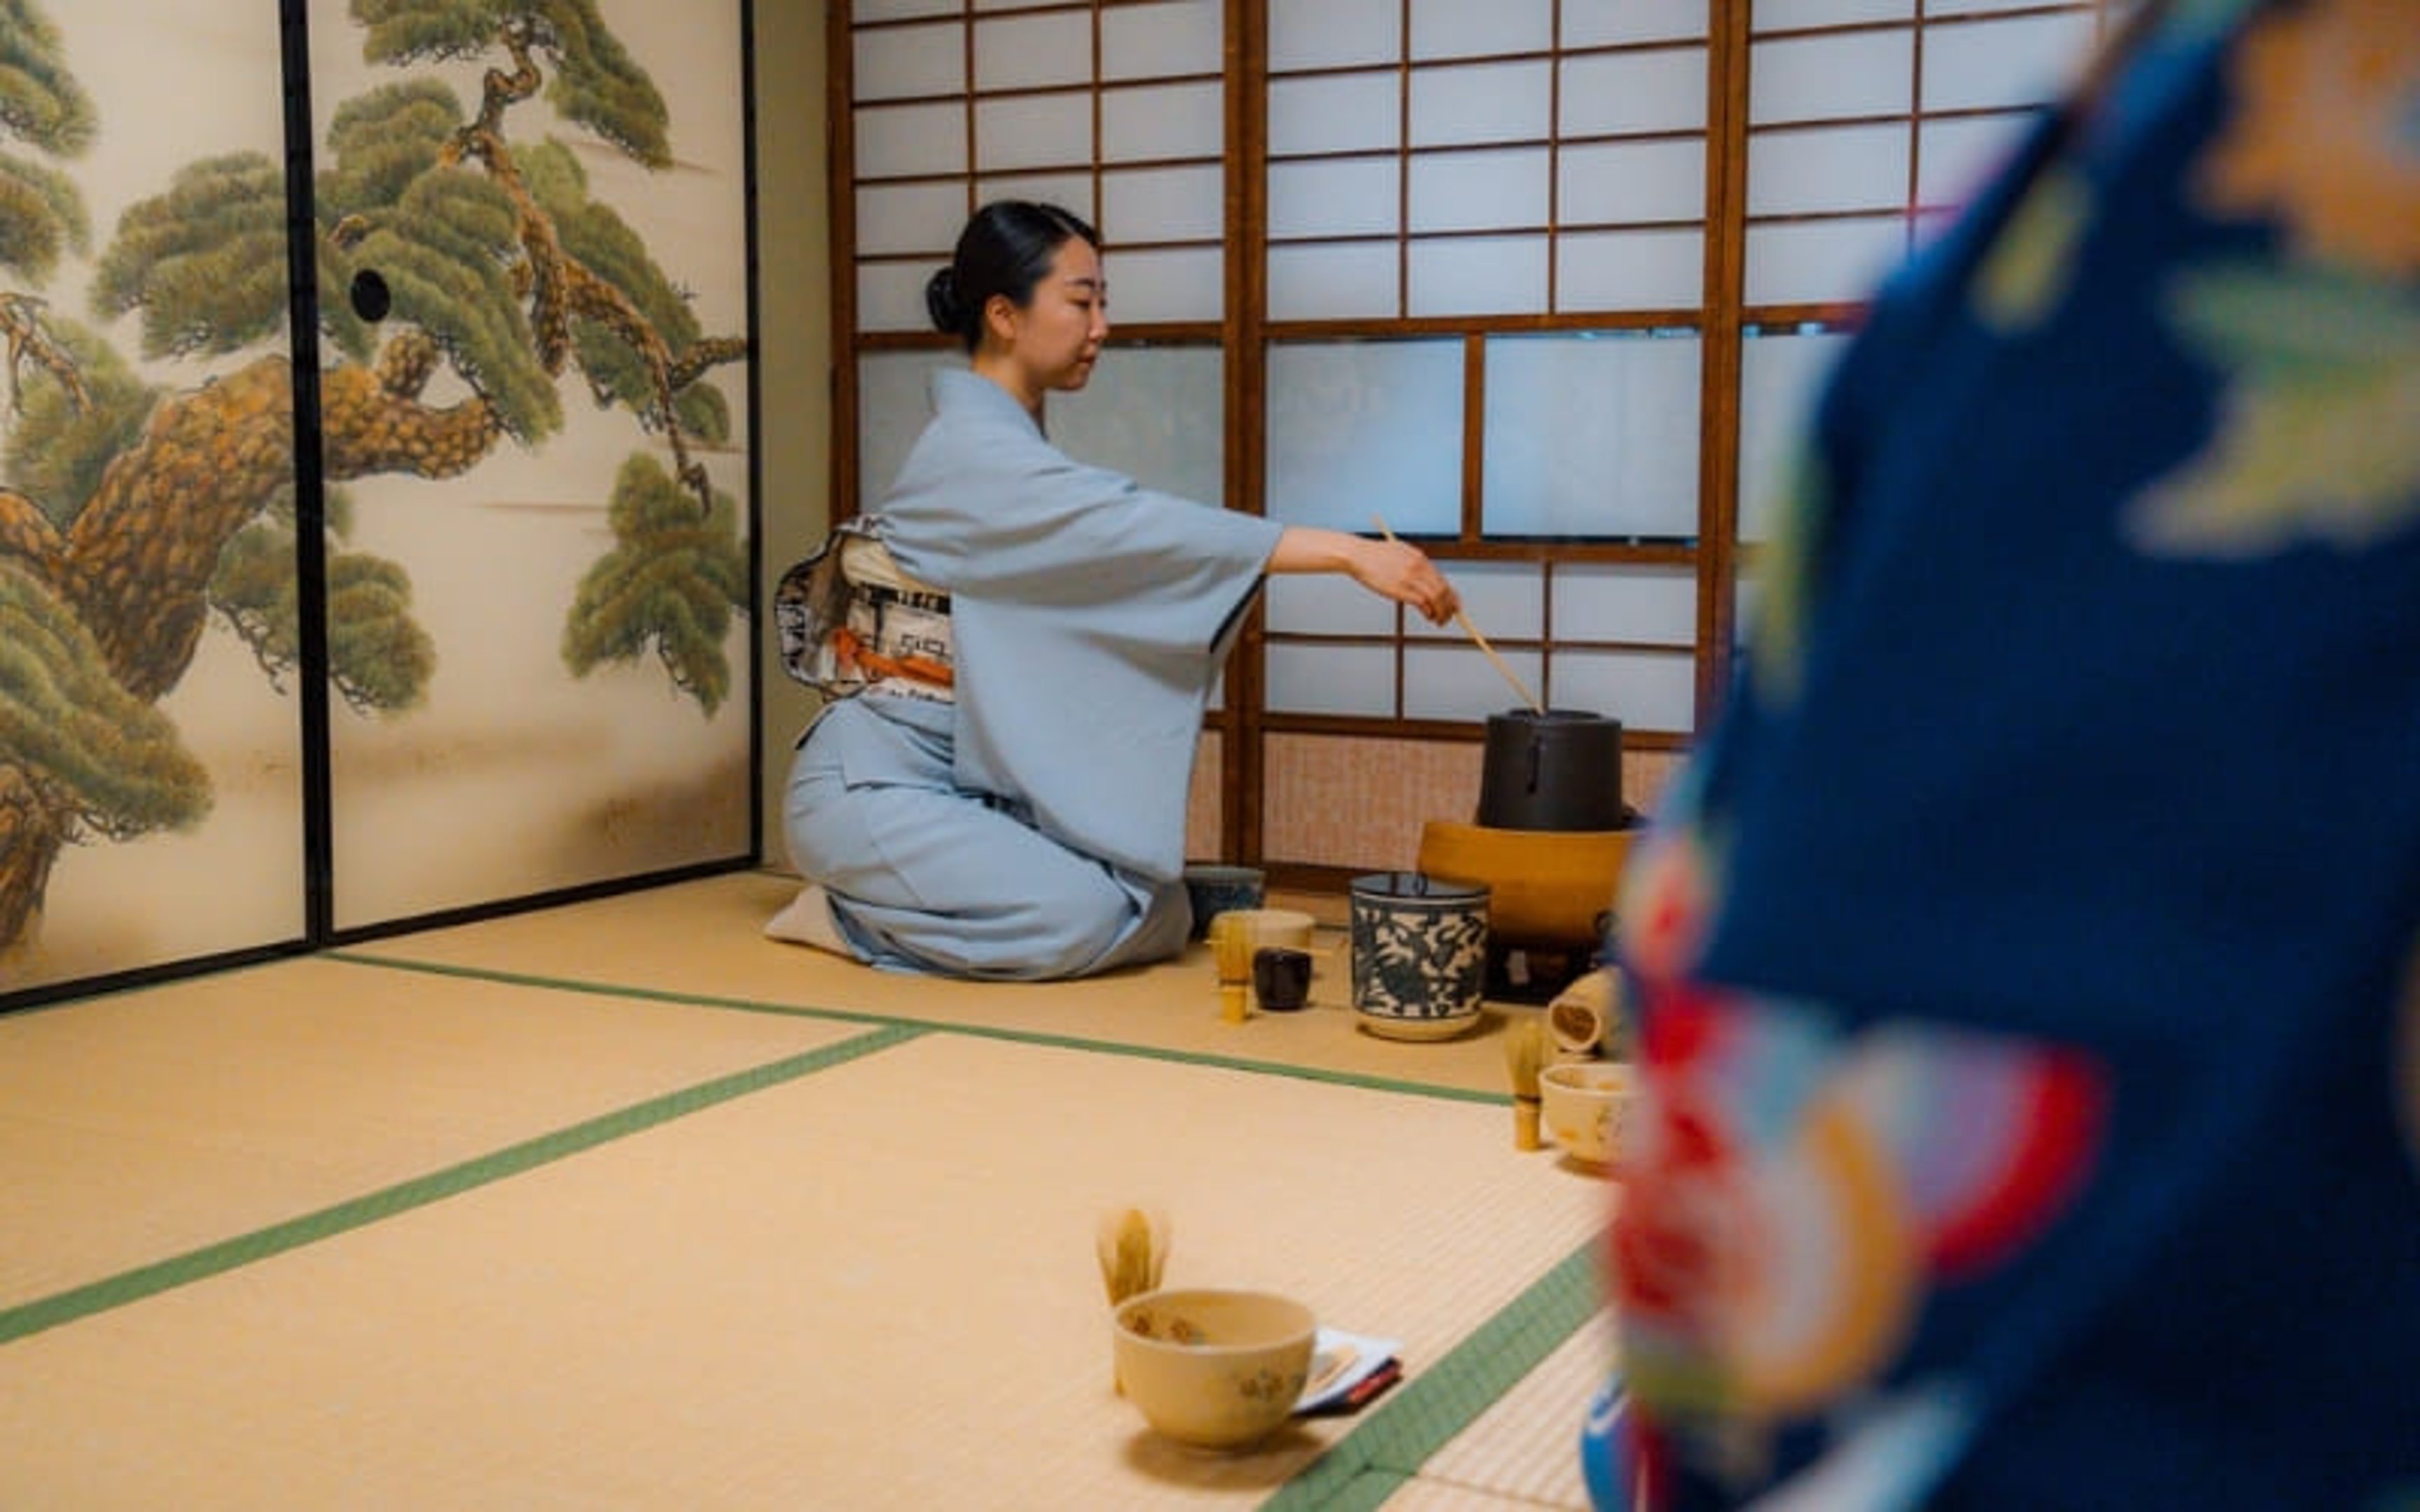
(1471, 630)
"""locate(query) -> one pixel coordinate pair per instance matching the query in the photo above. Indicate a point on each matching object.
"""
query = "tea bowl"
(1214, 890)
(1211, 1367)
(1584, 1105)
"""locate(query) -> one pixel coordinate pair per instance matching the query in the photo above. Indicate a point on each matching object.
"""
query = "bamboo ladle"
(1471, 630)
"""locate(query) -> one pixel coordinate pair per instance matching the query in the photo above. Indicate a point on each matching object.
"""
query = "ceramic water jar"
(1420, 953)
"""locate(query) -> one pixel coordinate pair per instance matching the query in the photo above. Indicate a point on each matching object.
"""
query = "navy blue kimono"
(2027, 962)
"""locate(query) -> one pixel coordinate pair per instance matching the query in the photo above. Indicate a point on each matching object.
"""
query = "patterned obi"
(851, 622)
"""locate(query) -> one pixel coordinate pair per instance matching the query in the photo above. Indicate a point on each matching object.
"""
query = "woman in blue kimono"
(1019, 649)
(2030, 965)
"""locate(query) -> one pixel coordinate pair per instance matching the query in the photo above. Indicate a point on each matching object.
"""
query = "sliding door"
(151, 736)
(535, 456)
(463, 624)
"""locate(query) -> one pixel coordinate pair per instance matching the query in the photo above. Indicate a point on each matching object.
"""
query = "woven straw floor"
(622, 1205)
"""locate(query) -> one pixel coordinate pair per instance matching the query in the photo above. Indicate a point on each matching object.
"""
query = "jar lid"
(1418, 885)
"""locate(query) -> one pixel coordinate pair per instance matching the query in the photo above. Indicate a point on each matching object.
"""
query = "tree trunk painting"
(472, 281)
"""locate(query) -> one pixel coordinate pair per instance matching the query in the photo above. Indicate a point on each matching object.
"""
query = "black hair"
(1005, 249)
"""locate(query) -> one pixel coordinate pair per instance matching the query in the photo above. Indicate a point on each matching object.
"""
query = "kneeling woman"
(1018, 650)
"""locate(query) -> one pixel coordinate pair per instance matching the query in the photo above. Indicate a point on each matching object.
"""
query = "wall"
(794, 361)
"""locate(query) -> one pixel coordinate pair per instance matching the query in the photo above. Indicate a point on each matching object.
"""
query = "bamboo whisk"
(1231, 946)
(1528, 1045)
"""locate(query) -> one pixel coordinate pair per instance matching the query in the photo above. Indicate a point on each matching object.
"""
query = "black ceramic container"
(1282, 978)
(1557, 770)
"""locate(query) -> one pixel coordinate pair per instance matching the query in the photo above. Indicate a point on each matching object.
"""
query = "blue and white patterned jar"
(1420, 952)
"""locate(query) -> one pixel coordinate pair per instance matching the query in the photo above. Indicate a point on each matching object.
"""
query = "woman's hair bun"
(942, 304)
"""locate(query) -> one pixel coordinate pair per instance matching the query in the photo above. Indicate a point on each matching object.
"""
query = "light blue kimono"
(1035, 826)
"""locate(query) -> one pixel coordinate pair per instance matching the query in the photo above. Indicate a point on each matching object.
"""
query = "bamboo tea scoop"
(1471, 630)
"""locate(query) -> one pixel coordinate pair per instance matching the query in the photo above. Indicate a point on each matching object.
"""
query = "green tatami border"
(978, 1031)
(1423, 1414)
(480, 1170)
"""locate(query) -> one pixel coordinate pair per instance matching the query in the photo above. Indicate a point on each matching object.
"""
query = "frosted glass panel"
(1163, 205)
(1481, 102)
(1820, 77)
(1331, 680)
(1033, 131)
(1155, 414)
(1479, 191)
(1176, 283)
(1644, 690)
(1620, 602)
(1629, 270)
(1177, 120)
(1592, 436)
(1827, 168)
(1780, 377)
(1822, 261)
(1472, 28)
(1506, 600)
(911, 218)
(1034, 51)
(1157, 40)
(1479, 275)
(1071, 188)
(1330, 198)
(1357, 427)
(2020, 61)
(1631, 181)
(894, 402)
(1626, 92)
(1330, 34)
(895, 141)
(1348, 113)
(1956, 158)
(1459, 683)
(1597, 23)
(1325, 604)
(908, 60)
(1333, 283)
(1789, 15)
(901, 9)
(891, 296)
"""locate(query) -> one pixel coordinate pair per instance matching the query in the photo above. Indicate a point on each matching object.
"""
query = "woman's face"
(1057, 337)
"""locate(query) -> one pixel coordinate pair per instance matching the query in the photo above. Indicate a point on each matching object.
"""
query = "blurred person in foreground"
(2029, 1026)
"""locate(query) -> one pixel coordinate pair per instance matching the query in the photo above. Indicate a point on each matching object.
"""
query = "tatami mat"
(869, 1284)
(704, 940)
(1524, 1450)
(137, 1127)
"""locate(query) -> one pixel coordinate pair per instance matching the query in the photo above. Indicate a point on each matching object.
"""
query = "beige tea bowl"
(1217, 1369)
(1584, 1105)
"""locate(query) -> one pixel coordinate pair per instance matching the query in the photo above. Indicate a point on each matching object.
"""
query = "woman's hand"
(1388, 568)
(1404, 573)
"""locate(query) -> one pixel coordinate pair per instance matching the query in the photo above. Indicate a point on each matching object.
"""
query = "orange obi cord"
(855, 652)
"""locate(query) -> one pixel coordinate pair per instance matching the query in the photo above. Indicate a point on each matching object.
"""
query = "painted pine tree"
(134, 515)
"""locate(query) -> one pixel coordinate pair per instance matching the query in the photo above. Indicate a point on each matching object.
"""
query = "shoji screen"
(151, 804)
(1545, 284)
(1487, 250)
(535, 455)
(1870, 122)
